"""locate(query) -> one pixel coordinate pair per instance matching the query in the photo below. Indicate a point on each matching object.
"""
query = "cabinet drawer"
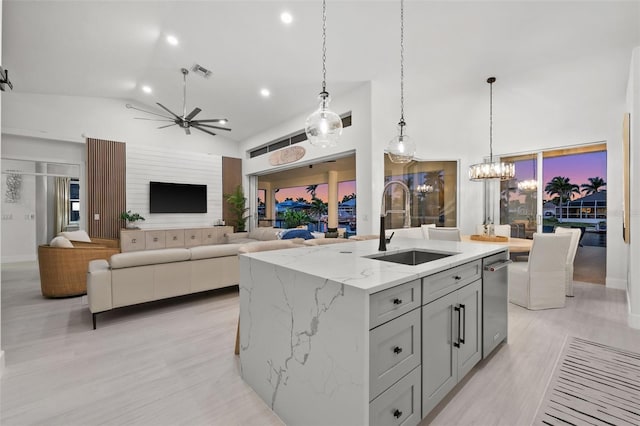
(437, 285)
(174, 238)
(394, 350)
(192, 237)
(393, 302)
(154, 239)
(398, 405)
(132, 241)
(209, 236)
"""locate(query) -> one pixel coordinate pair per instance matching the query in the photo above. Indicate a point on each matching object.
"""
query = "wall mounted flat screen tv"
(167, 197)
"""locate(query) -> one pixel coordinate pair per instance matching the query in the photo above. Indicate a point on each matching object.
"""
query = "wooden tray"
(492, 238)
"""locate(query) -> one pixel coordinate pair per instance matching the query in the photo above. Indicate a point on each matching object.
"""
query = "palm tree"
(318, 208)
(311, 189)
(348, 197)
(301, 200)
(563, 188)
(593, 186)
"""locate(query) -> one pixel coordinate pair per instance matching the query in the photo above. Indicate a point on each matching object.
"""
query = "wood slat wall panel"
(106, 187)
(231, 178)
(148, 163)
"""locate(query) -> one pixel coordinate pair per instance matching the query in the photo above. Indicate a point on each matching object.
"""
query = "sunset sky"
(344, 188)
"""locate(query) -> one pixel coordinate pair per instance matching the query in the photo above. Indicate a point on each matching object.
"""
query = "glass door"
(519, 206)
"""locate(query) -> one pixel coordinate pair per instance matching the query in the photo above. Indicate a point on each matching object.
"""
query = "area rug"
(592, 384)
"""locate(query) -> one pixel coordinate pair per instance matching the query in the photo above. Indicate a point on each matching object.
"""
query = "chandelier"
(323, 127)
(491, 169)
(528, 185)
(424, 188)
(401, 148)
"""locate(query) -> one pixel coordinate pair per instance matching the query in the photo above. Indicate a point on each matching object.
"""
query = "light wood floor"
(172, 362)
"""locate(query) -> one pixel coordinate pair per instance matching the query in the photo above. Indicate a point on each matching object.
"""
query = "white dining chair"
(444, 234)
(540, 282)
(573, 249)
(425, 230)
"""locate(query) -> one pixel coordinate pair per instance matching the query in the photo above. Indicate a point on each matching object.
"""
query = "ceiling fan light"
(323, 127)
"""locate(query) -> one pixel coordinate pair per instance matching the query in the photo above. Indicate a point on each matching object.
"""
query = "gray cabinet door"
(470, 304)
(438, 359)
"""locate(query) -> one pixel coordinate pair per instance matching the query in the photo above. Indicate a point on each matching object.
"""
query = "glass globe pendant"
(323, 127)
(401, 148)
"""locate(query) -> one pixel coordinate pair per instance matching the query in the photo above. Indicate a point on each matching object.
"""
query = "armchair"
(540, 283)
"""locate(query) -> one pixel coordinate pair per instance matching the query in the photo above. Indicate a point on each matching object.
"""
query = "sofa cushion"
(61, 241)
(264, 234)
(296, 233)
(149, 257)
(76, 236)
(219, 250)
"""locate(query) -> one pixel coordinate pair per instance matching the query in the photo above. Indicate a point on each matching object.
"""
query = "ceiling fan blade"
(203, 130)
(154, 119)
(187, 131)
(168, 125)
(168, 110)
(213, 120)
(129, 106)
(198, 123)
(192, 114)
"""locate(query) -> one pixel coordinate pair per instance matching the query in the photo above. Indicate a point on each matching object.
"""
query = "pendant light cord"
(184, 92)
(324, 46)
(402, 122)
(491, 80)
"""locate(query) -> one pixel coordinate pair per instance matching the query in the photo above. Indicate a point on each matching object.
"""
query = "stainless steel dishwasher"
(495, 295)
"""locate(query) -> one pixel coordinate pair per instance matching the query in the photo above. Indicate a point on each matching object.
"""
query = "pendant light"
(323, 127)
(401, 148)
(491, 170)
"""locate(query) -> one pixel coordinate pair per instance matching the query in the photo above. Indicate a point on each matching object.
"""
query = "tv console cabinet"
(152, 239)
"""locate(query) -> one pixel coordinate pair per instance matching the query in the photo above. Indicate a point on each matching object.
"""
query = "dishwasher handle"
(496, 266)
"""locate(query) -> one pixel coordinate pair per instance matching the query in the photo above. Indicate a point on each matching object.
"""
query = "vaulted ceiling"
(106, 48)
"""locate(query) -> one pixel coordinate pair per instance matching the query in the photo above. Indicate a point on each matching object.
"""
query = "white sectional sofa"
(143, 276)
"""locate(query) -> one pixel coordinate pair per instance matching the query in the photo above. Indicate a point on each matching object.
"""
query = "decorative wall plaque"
(286, 155)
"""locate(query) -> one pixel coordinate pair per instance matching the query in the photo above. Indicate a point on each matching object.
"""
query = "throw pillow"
(76, 236)
(297, 233)
(61, 241)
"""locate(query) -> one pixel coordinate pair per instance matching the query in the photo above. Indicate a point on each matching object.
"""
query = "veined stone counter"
(305, 324)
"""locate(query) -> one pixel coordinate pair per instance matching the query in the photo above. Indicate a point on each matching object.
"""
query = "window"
(74, 201)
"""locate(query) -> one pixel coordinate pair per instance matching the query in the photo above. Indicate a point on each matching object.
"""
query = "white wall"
(1, 351)
(145, 164)
(19, 218)
(633, 253)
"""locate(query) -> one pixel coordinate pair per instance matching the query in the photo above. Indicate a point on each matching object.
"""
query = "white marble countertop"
(347, 263)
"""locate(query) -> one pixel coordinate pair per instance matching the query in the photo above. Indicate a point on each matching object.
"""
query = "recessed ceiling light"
(265, 93)
(286, 17)
(146, 89)
(172, 40)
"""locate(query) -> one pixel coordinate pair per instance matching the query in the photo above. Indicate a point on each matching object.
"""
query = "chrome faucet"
(383, 212)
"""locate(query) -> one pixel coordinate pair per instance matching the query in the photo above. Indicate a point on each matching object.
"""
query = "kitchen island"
(329, 335)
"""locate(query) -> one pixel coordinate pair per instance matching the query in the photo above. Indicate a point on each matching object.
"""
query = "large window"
(433, 186)
(74, 201)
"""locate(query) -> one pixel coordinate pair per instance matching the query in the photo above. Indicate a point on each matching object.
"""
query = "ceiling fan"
(185, 121)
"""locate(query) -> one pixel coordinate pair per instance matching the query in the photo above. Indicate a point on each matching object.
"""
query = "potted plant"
(238, 204)
(130, 218)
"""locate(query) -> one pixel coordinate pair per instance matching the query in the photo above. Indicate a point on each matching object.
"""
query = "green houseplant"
(238, 204)
(130, 218)
(293, 218)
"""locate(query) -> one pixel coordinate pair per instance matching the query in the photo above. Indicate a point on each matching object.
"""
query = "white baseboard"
(617, 283)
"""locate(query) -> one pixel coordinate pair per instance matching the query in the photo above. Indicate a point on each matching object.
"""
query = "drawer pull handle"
(133, 241)
(457, 277)
(175, 238)
(193, 237)
(397, 350)
(155, 239)
(457, 344)
(397, 301)
(397, 413)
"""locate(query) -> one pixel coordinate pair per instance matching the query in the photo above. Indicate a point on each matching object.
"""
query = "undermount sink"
(411, 257)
